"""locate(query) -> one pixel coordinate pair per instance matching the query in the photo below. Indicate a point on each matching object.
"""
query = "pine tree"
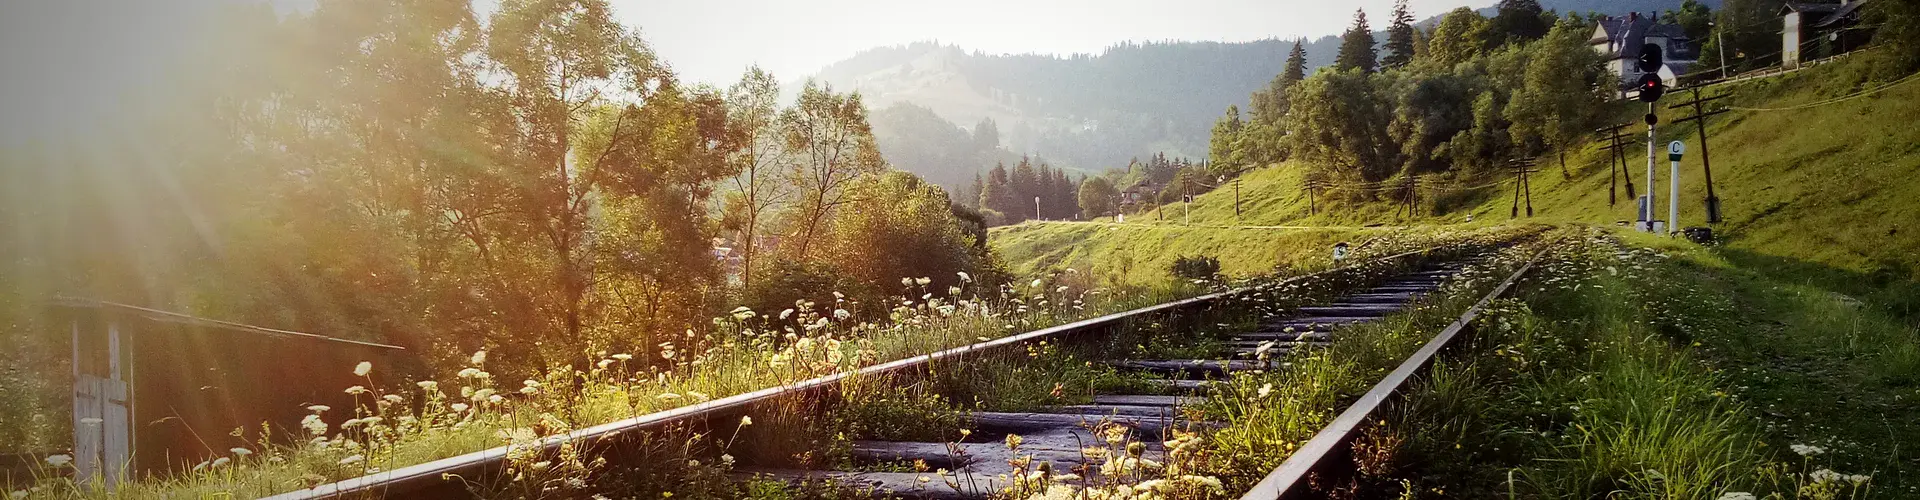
(979, 187)
(1356, 46)
(1044, 190)
(1025, 183)
(997, 194)
(1400, 37)
(1296, 64)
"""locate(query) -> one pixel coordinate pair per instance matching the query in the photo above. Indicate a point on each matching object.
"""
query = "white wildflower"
(1266, 390)
(352, 459)
(459, 407)
(964, 277)
(60, 460)
(319, 408)
(356, 390)
(1036, 283)
(1807, 450)
(788, 312)
(241, 451)
(479, 357)
(746, 420)
(922, 281)
(622, 356)
(221, 462)
(1737, 495)
(428, 385)
(841, 314)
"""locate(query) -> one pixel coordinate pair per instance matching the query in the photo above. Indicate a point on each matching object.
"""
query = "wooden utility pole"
(1520, 183)
(1699, 119)
(1311, 186)
(1615, 162)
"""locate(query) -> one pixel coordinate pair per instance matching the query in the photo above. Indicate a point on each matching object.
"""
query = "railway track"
(981, 462)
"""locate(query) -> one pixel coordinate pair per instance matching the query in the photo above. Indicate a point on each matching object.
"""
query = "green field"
(1819, 194)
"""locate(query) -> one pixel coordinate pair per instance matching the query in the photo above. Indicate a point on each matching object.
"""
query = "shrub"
(1199, 267)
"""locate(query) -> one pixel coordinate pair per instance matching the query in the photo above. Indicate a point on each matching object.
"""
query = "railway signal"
(1651, 60)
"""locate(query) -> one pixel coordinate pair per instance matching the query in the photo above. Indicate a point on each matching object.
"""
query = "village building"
(1619, 40)
(1812, 31)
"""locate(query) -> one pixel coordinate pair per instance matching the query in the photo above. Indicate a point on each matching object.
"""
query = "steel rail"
(1291, 479)
(437, 479)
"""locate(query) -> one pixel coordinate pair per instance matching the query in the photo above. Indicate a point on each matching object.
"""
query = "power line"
(1837, 100)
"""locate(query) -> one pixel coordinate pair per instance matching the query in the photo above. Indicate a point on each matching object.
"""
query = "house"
(1142, 192)
(1619, 39)
(1812, 31)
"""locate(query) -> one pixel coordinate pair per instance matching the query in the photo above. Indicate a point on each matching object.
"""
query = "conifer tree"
(1356, 46)
(1400, 37)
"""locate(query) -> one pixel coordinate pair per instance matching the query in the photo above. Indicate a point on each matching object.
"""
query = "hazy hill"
(1090, 111)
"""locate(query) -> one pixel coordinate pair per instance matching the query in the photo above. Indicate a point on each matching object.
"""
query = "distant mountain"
(1090, 112)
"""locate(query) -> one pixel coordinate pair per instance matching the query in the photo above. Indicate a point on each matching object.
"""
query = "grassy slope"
(1140, 254)
(1820, 194)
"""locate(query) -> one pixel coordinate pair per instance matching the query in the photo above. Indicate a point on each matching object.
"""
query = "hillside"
(1096, 111)
(1823, 194)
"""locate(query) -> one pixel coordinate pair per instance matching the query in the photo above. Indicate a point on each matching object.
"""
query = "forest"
(538, 185)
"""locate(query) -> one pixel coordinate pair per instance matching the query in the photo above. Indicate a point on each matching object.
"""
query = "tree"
(1025, 181)
(1097, 197)
(1563, 96)
(757, 163)
(1400, 37)
(1695, 18)
(1270, 105)
(1226, 133)
(1357, 46)
(899, 227)
(1339, 124)
(997, 195)
(1046, 189)
(1460, 36)
(1747, 32)
(833, 146)
(558, 58)
(1519, 21)
(986, 136)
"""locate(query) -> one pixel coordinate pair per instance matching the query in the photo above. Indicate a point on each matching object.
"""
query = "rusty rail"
(1332, 444)
(440, 478)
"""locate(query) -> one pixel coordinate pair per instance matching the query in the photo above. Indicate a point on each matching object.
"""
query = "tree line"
(1463, 96)
(538, 184)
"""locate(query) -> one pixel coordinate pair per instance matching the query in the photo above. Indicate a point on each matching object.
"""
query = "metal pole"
(1647, 209)
(1720, 38)
(1673, 200)
(1036, 208)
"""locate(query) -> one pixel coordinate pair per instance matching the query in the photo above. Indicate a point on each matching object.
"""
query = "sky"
(714, 41)
(70, 65)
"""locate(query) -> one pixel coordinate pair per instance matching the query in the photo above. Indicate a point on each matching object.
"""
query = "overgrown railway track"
(998, 448)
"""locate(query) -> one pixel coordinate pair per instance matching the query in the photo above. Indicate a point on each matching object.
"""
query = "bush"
(1198, 267)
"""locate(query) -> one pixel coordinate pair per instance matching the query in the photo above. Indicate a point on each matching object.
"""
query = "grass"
(1640, 371)
(1821, 195)
(405, 425)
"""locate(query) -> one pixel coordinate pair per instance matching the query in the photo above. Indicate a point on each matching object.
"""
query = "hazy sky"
(715, 40)
(70, 64)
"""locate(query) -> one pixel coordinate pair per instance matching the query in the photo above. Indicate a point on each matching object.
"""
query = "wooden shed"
(156, 391)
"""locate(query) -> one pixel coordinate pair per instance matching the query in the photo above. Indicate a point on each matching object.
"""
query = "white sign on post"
(1675, 149)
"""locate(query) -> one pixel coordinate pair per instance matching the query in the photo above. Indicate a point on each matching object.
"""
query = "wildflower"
(1825, 476)
(1036, 283)
(742, 313)
(428, 385)
(468, 372)
(482, 394)
(60, 460)
(841, 314)
(314, 425)
(201, 466)
(622, 356)
(459, 407)
(667, 396)
(786, 313)
(241, 451)
(393, 398)
(1062, 289)
(964, 277)
(746, 420)
(357, 390)
(1807, 450)
(923, 281)
(906, 281)
(496, 399)
(1737, 495)
(362, 369)
(1265, 390)
(352, 459)
(479, 357)
(18, 494)
(604, 363)
(221, 462)
(319, 408)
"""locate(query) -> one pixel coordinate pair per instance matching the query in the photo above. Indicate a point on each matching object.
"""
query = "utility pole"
(1236, 200)
(1720, 39)
(1613, 163)
(1699, 119)
(1521, 182)
(1312, 185)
